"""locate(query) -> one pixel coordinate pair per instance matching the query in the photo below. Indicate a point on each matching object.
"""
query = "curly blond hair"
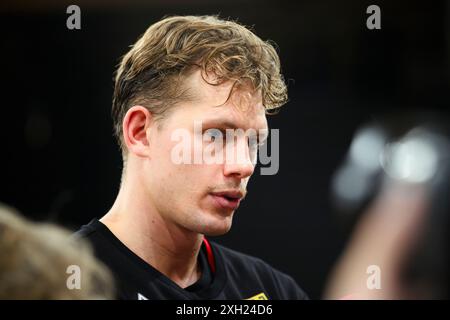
(152, 72)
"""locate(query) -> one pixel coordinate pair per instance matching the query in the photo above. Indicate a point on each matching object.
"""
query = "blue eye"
(214, 134)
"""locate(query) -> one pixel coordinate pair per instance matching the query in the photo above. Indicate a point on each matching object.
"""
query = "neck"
(169, 248)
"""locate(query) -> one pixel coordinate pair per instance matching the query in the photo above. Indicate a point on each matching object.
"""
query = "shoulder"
(240, 265)
(96, 234)
(86, 231)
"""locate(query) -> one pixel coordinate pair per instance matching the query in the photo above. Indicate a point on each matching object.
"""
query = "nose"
(238, 161)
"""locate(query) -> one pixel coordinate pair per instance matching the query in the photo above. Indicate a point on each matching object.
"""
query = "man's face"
(202, 197)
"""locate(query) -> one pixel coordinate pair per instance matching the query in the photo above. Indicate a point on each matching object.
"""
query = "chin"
(217, 226)
(216, 232)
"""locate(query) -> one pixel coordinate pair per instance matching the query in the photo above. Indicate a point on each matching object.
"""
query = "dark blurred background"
(60, 161)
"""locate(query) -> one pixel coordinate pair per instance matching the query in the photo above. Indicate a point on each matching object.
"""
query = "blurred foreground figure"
(398, 176)
(39, 261)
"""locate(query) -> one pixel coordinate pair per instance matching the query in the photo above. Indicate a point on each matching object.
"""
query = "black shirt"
(226, 274)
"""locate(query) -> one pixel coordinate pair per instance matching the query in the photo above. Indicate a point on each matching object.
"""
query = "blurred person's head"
(38, 259)
(185, 70)
(394, 185)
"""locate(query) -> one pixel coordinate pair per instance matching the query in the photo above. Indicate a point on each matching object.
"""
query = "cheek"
(180, 180)
(187, 182)
(245, 182)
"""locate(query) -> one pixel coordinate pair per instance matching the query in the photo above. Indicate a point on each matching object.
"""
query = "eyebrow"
(220, 124)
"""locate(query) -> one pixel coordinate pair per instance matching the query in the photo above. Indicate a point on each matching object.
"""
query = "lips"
(227, 199)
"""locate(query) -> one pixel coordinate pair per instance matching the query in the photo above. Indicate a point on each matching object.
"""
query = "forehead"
(213, 104)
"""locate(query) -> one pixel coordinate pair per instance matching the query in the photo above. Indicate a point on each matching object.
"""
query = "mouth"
(228, 199)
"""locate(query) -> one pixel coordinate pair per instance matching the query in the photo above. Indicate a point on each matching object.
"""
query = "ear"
(135, 124)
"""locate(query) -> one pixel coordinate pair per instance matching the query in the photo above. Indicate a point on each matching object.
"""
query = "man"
(186, 71)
